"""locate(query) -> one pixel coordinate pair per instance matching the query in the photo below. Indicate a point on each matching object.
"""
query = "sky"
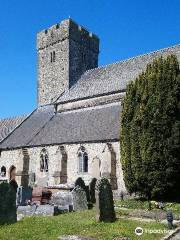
(125, 28)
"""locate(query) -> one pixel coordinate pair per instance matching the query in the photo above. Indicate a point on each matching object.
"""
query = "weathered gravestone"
(92, 186)
(62, 199)
(7, 204)
(24, 195)
(46, 210)
(26, 211)
(79, 199)
(41, 195)
(37, 210)
(37, 195)
(104, 201)
(80, 182)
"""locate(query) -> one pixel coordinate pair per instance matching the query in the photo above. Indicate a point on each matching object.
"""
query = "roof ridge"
(131, 58)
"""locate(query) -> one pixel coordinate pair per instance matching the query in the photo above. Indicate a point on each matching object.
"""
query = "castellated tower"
(65, 52)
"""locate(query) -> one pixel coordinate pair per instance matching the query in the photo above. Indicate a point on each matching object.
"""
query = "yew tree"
(150, 131)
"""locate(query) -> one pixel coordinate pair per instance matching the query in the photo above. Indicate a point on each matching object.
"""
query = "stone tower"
(65, 51)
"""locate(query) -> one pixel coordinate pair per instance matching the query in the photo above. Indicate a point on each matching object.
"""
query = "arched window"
(53, 56)
(44, 160)
(3, 171)
(83, 160)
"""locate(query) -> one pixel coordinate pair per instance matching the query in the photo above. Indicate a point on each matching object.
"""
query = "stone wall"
(103, 160)
(65, 51)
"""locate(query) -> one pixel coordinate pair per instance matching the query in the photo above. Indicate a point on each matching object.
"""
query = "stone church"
(74, 131)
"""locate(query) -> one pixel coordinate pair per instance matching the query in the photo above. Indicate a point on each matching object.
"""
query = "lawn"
(139, 204)
(76, 223)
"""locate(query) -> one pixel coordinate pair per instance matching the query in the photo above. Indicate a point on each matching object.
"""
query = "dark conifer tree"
(150, 131)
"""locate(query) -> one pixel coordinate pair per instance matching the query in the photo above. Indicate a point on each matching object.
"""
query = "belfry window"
(83, 160)
(44, 161)
(3, 171)
(84, 58)
(53, 56)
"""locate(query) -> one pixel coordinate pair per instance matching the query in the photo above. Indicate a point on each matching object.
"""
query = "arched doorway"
(12, 173)
(3, 171)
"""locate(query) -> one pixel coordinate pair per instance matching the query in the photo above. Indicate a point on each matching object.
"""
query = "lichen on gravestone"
(104, 201)
(79, 199)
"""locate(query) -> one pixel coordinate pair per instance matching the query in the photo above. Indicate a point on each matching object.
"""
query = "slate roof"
(9, 124)
(85, 125)
(23, 134)
(113, 77)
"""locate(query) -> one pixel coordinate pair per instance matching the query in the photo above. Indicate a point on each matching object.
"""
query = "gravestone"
(24, 195)
(170, 219)
(46, 196)
(26, 210)
(104, 201)
(62, 199)
(37, 210)
(7, 204)
(37, 195)
(45, 210)
(41, 195)
(79, 199)
(92, 186)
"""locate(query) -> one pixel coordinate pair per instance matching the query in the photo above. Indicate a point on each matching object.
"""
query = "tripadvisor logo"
(138, 231)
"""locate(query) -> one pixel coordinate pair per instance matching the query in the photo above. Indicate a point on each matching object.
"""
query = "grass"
(139, 204)
(76, 223)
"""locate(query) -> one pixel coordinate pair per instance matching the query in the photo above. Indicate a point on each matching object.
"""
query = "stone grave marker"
(24, 194)
(79, 199)
(45, 210)
(63, 200)
(104, 201)
(37, 195)
(7, 204)
(26, 210)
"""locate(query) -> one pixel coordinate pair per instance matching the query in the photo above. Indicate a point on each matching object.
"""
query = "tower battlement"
(66, 29)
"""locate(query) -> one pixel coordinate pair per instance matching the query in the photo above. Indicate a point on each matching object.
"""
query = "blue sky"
(126, 29)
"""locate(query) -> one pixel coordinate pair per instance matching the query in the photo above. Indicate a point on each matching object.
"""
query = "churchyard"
(81, 223)
(93, 211)
(73, 212)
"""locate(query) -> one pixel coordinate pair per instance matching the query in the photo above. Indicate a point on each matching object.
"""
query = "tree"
(150, 131)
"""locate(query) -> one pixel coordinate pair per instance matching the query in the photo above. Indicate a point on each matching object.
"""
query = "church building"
(75, 129)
